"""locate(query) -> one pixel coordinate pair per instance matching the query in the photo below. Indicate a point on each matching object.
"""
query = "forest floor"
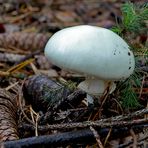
(33, 114)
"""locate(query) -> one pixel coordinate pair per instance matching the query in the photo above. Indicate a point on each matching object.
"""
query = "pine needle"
(20, 66)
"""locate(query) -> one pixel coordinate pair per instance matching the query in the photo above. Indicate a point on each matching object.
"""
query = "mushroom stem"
(96, 87)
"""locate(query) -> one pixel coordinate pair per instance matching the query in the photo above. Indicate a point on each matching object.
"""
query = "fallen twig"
(109, 122)
(99, 123)
(97, 137)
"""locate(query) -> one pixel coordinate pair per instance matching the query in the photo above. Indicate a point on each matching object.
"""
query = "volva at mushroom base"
(98, 53)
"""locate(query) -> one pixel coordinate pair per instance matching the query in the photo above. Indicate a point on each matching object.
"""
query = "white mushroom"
(100, 54)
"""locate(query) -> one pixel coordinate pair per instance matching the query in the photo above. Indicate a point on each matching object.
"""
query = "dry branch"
(84, 136)
(10, 57)
(40, 60)
(118, 121)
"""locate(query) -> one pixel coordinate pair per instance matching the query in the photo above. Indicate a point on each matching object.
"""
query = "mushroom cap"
(93, 51)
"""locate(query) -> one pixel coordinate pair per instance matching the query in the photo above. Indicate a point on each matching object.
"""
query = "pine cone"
(8, 121)
(23, 40)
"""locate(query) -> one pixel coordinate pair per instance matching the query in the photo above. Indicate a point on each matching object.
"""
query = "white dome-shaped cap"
(91, 50)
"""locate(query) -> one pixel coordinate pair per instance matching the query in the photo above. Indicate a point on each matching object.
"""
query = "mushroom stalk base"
(89, 99)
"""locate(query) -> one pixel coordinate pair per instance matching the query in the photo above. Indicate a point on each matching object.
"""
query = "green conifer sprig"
(128, 96)
(133, 18)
